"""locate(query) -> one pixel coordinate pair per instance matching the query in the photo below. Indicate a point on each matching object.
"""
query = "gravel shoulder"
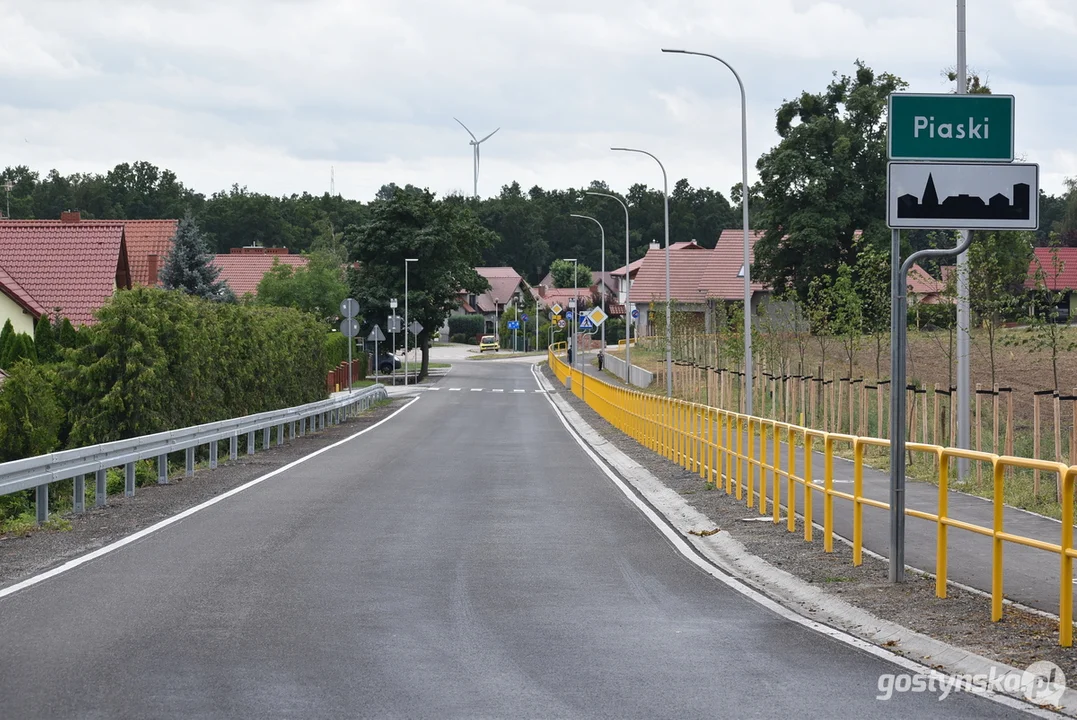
(963, 619)
(41, 550)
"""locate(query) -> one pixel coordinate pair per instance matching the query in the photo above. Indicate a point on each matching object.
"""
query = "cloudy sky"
(273, 93)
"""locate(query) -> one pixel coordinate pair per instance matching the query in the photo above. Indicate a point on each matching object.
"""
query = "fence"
(639, 377)
(337, 379)
(720, 446)
(41, 471)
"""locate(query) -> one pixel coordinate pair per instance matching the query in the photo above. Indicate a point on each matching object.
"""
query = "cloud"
(271, 94)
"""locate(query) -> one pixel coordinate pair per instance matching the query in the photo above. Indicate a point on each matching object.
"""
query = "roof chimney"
(152, 262)
(70, 216)
(655, 245)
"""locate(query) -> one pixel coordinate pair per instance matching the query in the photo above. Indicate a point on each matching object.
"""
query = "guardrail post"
(42, 502)
(129, 479)
(233, 447)
(213, 455)
(190, 462)
(101, 488)
(250, 443)
(302, 426)
(280, 434)
(265, 438)
(162, 469)
(291, 435)
(79, 501)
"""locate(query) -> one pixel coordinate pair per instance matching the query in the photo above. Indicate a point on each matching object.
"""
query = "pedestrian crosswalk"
(493, 390)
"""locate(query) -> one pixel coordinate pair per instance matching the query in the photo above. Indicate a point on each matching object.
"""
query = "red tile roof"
(633, 267)
(920, 282)
(563, 295)
(723, 277)
(243, 271)
(686, 264)
(145, 238)
(1043, 257)
(13, 290)
(73, 267)
(503, 283)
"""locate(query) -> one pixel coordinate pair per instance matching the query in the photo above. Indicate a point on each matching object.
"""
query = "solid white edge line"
(83, 559)
(736, 584)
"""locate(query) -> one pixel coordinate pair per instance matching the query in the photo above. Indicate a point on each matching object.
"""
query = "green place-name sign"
(950, 127)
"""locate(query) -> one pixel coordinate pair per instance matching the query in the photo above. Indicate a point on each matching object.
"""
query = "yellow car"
(488, 342)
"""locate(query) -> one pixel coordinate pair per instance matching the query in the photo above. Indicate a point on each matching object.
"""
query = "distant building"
(244, 267)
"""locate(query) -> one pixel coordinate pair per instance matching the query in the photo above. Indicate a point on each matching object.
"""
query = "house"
(148, 244)
(622, 278)
(1062, 279)
(243, 268)
(506, 288)
(66, 267)
(924, 288)
(699, 278)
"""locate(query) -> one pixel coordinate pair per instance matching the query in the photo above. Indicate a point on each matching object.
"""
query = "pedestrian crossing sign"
(586, 323)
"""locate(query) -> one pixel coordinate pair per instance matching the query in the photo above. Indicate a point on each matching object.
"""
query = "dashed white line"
(499, 390)
(454, 389)
(476, 389)
(519, 390)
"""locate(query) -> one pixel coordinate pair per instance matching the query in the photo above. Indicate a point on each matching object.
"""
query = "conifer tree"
(45, 341)
(189, 264)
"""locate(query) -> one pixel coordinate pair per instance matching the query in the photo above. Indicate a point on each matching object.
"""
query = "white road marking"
(681, 545)
(518, 390)
(72, 564)
(499, 390)
(434, 388)
(454, 389)
(476, 389)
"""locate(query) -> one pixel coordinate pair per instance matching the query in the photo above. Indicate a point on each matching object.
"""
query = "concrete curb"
(730, 555)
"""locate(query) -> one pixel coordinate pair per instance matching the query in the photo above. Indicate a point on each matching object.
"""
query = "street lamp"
(744, 212)
(497, 321)
(628, 289)
(407, 329)
(602, 232)
(8, 186)
(669, 328)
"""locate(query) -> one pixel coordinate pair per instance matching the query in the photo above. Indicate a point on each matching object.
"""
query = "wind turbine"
(475, 144)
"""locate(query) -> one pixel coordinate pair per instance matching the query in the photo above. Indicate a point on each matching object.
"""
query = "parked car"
(488, 342)
(388, 362)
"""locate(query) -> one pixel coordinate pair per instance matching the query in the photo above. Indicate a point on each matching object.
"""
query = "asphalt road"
(465, 559)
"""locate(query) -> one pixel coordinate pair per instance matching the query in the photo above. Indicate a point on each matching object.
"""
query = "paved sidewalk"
(1030, 576)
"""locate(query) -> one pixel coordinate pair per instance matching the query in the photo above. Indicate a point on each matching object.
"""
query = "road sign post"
(950, 127)
(377, 336)
(349, 308)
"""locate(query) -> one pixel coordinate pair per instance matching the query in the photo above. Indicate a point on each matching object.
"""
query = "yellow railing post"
(828, 497)
(1065, 590)
(941, 527)
(762, 460)
(790, 483)
(858, 505)
(776, 484)
(740, 457)
(809, 486)
(729, 456)
(996, 542)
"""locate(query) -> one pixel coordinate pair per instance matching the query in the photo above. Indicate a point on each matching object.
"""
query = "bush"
(469, 325)
(929, 317)
(458, 338)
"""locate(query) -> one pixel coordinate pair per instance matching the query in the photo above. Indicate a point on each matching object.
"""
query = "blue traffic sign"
(586, 324)
(524, 317)
(635, 313)
(514, 325)
(568, 315)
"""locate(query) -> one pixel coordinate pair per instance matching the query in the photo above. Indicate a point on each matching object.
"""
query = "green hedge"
(469, 325)
(336, 349)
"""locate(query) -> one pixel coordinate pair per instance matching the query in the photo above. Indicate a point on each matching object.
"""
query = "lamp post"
(497, 321)
(516, 307)
(669, 328)
(744, 212)
(602, 232)
(628, 289)
(407, 329)
(392, 314)
(8, 186)
(575, 308)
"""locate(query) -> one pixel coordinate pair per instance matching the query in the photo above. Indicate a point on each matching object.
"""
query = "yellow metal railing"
(717, 444)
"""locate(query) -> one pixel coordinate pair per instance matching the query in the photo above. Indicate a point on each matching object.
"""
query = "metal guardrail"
(40, 471)
(715, 443)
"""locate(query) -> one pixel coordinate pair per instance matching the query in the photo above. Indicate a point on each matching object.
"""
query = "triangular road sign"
(586, 324)
(376, 335)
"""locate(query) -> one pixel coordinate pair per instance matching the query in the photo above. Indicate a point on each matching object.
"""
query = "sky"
(276, 95)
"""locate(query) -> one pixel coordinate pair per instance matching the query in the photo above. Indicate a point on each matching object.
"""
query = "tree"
(188, 265)
(873, 288)
(30, 414)
(820, 313)
(317, 288)
(824, 180)
(19, 347)
(5, 339)
(444, 236)
(45, 341)
(566, 274)
(848, 319)
(1045, 332)
(998, 267)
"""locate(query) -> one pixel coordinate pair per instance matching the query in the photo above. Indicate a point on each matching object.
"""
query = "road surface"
(464, 559)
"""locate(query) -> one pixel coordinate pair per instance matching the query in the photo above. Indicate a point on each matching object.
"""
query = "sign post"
(349, 308)
(377, 337)
(951, 167)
